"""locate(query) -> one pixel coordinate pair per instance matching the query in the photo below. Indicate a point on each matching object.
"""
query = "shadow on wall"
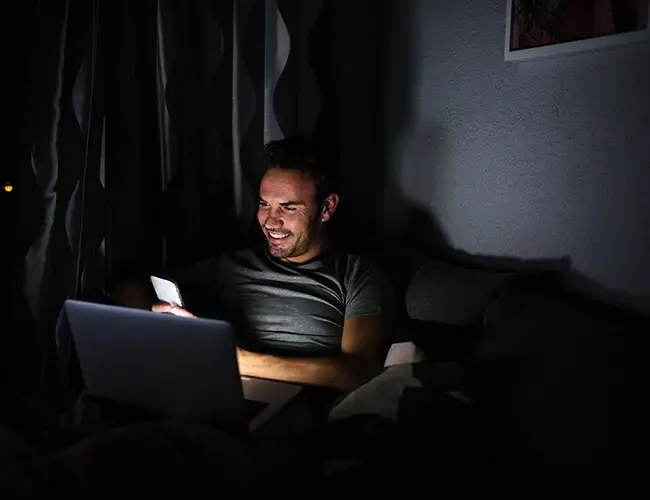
(401, 41)
(406, 222)
(405, 141)
(423, 233)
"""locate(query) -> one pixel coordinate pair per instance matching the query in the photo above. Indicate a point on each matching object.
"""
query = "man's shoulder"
(368, 288)
(356, 262)
(360, 267)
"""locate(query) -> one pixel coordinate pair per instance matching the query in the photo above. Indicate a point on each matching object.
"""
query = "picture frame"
(599, 25)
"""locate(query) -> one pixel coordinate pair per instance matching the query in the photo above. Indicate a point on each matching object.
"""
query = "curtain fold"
(146, 122)
(60, 147)
(169, 123)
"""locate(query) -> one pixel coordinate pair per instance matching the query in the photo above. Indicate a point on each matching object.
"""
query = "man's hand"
(175, 310)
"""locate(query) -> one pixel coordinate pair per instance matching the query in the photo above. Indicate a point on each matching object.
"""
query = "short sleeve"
(368, 290)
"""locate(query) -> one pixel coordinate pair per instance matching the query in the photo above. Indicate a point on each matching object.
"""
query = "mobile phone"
(167, 291)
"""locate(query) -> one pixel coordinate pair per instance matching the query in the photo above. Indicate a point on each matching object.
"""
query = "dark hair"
(304, 155)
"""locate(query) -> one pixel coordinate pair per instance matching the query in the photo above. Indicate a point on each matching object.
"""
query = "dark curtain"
(14, 52)
(59, 180)
(145, 125)
(195, 89)
(169, 132)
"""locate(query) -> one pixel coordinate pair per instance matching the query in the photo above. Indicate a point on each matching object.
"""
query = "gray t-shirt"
(292, 308)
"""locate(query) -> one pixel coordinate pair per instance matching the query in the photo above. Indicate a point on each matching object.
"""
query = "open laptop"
(168, 366)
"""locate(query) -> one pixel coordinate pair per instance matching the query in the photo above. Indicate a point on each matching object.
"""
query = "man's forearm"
(339, 372)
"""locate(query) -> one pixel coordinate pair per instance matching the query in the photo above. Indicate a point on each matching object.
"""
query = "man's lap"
(96, 444)
(161, 459)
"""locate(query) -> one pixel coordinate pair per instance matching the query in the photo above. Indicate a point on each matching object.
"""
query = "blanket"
(91, 456)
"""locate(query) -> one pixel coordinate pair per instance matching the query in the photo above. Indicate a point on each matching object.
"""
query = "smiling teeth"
(277, 236)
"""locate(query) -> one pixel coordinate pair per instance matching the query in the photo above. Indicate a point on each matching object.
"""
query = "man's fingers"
(179, 311)
(162, 308)
(175, 310)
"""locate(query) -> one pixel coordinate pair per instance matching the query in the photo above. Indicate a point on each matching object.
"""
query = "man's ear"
(329, 206)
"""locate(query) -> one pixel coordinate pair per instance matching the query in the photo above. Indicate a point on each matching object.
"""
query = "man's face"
(289, 216)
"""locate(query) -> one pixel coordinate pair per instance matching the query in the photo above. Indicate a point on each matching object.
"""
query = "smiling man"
(304, 310)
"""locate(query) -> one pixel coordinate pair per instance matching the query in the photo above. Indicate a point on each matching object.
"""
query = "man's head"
(296, 198)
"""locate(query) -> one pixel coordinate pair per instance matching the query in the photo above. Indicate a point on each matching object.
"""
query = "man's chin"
(279, 252)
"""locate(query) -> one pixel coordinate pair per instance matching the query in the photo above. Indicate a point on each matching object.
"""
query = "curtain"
(145, 126)
(61, 173)
(195, 89)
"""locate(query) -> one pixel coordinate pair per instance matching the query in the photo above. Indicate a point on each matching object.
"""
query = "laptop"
(168, 366)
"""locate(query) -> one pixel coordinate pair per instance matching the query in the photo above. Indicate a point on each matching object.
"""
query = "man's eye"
(290, 209)
(263, 205)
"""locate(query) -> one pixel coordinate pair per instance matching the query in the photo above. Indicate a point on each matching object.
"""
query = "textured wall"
(547, 159)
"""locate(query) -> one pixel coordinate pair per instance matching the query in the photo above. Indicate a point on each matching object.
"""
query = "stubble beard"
(301, 243)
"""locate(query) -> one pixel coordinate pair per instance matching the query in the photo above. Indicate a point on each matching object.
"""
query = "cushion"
(557, 386)
(400, 265)
(454, 295)
(403, 353)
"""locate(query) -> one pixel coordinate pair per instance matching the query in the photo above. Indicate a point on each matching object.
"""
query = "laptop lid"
(162, 364)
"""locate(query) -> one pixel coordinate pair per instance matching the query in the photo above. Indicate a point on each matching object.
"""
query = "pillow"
(404, 353)
(452, 295)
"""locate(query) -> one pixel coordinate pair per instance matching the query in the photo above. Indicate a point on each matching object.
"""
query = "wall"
(545, 159)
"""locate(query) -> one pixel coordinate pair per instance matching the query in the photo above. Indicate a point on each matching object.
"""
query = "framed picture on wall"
(546, 28)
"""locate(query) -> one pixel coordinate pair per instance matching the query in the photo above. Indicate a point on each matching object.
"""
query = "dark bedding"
(90, 456)
(154, 460)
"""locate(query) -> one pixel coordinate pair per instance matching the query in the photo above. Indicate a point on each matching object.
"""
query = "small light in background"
(8, 187)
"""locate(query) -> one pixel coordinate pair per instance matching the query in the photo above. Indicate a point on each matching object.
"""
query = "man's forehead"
(286, 183)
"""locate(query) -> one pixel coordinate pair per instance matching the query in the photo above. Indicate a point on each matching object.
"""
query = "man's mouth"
(277, 236)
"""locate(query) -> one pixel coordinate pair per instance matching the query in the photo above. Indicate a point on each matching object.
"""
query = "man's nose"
(273, 221)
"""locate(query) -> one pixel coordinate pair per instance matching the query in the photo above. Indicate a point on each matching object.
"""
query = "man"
(304, 311)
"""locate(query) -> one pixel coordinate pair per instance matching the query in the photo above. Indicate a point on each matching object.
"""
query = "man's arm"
(363, 349)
